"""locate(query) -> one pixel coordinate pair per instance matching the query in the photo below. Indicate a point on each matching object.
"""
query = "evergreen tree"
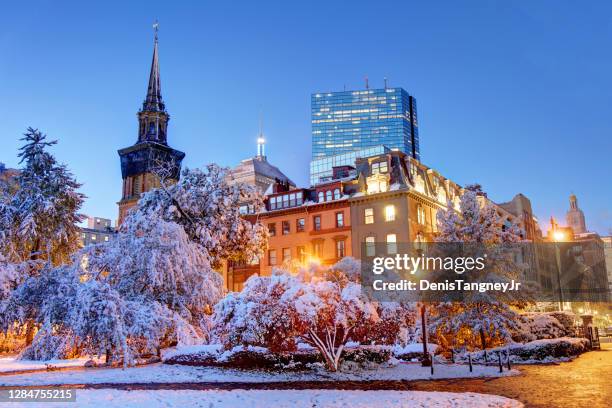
(478, 226)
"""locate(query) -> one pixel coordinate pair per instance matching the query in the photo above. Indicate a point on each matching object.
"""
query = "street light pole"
(558, 258)
(426, 362)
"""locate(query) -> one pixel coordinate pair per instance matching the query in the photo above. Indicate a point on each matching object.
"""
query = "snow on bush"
(535, 326)
(412, 351)
(537, 351)
(324, 309)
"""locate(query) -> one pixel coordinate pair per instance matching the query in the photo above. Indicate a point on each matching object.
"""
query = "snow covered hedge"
(543, 325)
(261, 358)
(538, 351)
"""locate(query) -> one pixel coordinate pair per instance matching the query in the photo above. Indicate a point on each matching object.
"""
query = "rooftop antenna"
(261, 141)
(385, 82)
(367, 83)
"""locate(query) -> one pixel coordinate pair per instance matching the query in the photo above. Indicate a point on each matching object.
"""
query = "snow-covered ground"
(163, 373)
(280, 399)
(8, 364)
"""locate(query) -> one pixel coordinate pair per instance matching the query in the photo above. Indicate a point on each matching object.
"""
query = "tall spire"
(154, 101)
(261, 141)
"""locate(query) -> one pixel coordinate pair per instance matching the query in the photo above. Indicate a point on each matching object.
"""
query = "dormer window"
(379, 168)
(328, 195)
(337, 194)
(321, 197)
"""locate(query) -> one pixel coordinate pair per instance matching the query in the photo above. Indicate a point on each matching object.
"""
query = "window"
(390, 213)
(321, 197)
(272, 229)
(93, 237)
(339, 220)
(379, 167)
(420, 215)
(337, 194)
(369, 215)
(292, 200)
(317, 248)
(286, 254)
(317, 222)
(298, 200)
(286, 228)
(370, 246)
(272, 257)
(286, 201)
(340, 249)
(300, 224)
(273, 203)
(328, 195)
(391, 244)
(301, 253)
(244, 209)
(106, 239)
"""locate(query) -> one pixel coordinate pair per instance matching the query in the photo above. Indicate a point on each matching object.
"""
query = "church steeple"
(153, 118)
(139, 162)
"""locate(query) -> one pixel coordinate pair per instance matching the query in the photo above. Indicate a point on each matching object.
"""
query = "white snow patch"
(164, 373)
(8, 364)
(109, 398)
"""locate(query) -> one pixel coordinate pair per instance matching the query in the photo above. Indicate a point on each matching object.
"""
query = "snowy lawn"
(163, 373)
(280, 399)
(8, 364)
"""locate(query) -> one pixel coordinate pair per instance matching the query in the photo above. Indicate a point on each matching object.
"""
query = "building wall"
(309, 239)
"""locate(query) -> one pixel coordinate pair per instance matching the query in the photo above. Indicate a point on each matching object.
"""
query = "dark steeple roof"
(154, 101)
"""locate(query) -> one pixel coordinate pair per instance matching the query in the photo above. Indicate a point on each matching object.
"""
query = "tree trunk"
(29, 334)
(109, 357)
(483, 339)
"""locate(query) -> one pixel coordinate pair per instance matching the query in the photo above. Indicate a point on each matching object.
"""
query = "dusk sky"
(517, 97)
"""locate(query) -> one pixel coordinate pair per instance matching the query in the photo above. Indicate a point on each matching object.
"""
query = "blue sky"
(514, 95)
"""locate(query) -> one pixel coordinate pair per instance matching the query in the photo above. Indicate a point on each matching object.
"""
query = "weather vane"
(156, 28)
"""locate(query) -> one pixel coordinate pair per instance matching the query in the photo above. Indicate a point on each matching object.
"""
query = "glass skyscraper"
(350, 121)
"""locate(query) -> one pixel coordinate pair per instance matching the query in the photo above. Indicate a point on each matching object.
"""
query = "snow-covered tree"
(39, 213)
(478, 227)
(207, 206)
(321, 306)
(39, 221)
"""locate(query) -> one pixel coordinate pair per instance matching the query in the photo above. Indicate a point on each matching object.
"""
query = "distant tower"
(261, 143)
(151, 149)
(575, 217)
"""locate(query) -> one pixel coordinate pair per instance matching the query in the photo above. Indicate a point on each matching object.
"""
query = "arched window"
(328, 195)
(321, 197)
(337, 194)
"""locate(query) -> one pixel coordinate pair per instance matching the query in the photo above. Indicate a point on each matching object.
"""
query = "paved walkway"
(584, 382)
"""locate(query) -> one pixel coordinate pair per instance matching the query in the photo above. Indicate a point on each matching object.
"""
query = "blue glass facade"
(322, 169)
(348, 121)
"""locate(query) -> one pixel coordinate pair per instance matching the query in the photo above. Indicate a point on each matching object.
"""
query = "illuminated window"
(301, 253)
(420, 215)
(391, 244)
(286, 227)
(272, 257)
(317, 248)
(105, 238)
(390, 213)
(286, 254)
(369, 215)
(300, 224)
(93, 237)
(272, 229)
(370, 246)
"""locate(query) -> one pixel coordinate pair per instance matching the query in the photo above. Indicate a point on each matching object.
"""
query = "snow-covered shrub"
(545, 350)
(567, 319)
(323, 308)
(51, 343)
(536, 326)
(412, 351)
